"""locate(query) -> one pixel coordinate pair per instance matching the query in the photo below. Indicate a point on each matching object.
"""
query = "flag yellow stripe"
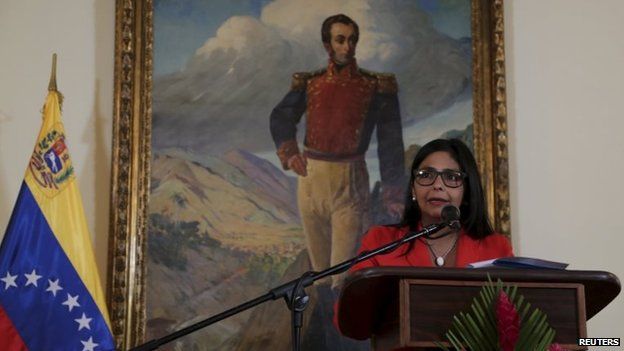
(65, 216)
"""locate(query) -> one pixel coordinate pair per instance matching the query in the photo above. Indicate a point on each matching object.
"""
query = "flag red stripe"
(10, 340)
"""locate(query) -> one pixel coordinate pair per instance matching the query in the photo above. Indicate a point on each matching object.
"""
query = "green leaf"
(454, 340)
(487, 305)
(541, 329)
(464, 334)
(546, 340)
(526, 332)
(490, 333)
(520, 306)
(479, 337)
(440, 346)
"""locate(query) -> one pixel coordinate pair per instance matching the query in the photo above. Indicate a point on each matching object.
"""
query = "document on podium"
(518, 262)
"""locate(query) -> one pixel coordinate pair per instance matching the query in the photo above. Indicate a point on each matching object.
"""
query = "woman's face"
(432, 198)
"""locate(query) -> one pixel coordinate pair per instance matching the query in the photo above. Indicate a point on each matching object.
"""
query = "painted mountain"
(204, 257)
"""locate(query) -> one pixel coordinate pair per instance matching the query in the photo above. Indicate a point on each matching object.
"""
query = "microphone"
(450, 217)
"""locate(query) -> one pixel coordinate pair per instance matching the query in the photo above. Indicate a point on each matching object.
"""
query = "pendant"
(439, 261)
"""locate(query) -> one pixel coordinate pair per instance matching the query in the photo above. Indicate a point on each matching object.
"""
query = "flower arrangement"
(501, 320)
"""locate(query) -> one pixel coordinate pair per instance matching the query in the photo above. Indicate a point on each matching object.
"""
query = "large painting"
(204, 214)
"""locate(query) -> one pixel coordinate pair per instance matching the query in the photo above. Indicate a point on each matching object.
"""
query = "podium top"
(366, 292)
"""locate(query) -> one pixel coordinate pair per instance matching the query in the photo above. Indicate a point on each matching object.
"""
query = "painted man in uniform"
(343, 104)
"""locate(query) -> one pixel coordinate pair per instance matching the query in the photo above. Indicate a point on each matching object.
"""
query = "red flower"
(556, 347)
(507, 322)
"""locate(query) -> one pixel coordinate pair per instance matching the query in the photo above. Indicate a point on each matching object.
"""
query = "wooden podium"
(409, 308)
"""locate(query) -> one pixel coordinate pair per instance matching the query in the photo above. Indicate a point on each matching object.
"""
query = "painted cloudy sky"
(221, 66)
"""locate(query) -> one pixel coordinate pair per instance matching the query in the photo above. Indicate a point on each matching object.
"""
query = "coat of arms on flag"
(50, 164)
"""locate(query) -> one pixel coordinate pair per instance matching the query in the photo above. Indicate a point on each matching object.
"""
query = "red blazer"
(469, 250)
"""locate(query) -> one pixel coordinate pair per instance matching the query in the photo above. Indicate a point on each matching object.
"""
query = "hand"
(395, 210)
(298, 164)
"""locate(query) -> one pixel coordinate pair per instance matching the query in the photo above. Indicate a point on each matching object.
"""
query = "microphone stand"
(293, 293)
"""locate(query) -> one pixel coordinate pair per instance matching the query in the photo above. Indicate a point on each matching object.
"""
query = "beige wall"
(565, 91)
(81, 33)
(565, 82)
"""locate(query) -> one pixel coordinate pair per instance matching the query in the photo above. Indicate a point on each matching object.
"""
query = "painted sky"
(182, 26)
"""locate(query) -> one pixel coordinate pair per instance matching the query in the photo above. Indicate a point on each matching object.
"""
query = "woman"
(443, 172)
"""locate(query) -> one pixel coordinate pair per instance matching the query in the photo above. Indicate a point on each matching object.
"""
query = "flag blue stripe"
(41, 319)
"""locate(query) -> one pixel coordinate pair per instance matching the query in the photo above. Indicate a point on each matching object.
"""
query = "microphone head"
(450, 216)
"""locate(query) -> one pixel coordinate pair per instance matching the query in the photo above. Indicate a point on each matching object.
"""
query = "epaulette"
(300, 79)
(386, 82)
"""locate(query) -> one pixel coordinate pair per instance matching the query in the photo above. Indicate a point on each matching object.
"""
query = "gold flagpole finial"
(52, 85)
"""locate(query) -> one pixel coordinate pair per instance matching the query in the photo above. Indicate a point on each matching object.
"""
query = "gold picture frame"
(131, 148)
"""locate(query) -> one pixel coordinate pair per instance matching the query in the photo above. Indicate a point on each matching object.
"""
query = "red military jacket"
(337, 107)
(342, 108)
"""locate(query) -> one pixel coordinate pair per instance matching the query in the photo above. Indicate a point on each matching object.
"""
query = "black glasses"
(450, 178)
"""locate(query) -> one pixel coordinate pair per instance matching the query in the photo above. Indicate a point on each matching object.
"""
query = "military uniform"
(342, 108)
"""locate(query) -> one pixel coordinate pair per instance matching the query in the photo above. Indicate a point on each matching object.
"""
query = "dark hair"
(339, 18)
(474, 218)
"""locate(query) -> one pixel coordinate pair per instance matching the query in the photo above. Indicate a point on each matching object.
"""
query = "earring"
(413, 197)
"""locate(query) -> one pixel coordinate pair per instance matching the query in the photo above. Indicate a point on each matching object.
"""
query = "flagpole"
(52, 84)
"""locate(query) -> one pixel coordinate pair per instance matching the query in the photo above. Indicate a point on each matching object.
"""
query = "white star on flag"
(89, 345)
(71, 302)
(32, 278)
(54, 287)
(83, 322)
(9, 281)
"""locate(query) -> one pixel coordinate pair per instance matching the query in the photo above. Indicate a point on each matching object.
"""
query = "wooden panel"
(428, 307)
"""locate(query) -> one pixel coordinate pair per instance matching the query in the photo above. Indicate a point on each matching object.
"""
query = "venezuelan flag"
(50, 292)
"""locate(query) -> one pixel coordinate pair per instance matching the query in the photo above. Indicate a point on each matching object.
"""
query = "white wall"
(565, 87)
(565, 79)
(82, 34)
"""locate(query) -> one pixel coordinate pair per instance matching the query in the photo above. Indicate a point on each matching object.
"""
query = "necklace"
(440, 259)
